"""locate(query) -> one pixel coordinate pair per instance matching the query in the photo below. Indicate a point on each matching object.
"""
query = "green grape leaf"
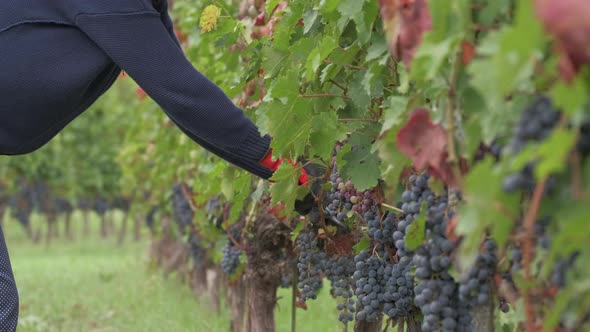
(377, 49)
(554, 152)
(242, 191)
(363, 13)
(487, 207)
(328, 6)
(309, 18)
(394, 110)
(416, 232)
(572, 97)
(351, 8)
(362, 165)
(358, 94)
(363, 244)
(285, 85)
(297, 231)
(326, 130)
(273, 61)
(290, 126)
(373, 81)
(325, 46)
(286, 188)
(286, 26)
(430, 57)
(271, 5)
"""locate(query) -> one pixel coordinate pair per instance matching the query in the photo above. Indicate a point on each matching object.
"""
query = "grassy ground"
(94, 285)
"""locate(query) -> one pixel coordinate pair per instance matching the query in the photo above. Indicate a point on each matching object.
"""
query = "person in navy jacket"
(58, 57)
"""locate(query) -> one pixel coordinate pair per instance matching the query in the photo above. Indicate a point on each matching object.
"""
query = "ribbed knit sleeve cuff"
(254, 146)
(252, 151)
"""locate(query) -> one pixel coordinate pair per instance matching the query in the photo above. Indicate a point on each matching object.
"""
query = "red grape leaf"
(426, 144)
(340, 245)
(404, 22)
(567, 21)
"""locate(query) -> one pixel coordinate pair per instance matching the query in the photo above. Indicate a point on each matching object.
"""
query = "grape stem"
(188, 197)
(450, 115)
(391, 207)
(250, 217)
(575, 162)
(528, 246)
(294, 299)
(339, 85)
(231, 237)
(185, 192)
(358, 120)
(323, 95)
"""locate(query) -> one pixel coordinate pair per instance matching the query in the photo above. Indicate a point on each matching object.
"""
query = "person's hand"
(273, 164)
(313, 171)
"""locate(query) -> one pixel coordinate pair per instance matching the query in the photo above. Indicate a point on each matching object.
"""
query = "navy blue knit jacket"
(58, 56)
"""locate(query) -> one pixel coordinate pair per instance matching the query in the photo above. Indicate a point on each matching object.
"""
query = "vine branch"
(528, 246)
(357, 120)
(323, 95)
(450, 116)
(339, 85)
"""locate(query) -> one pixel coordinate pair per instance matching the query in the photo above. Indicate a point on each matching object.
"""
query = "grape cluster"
(562, 264)
(503, 305)
(558, 272)
(380, 232)
(286, 280)
(101, 206)
(230, 259)
(63, 205)
(181, 208)
(214, 211)
(494, 150)
(412, 200)
(583, 145)
(231, 254)
(370, 279)
(84, 203)
(310, 265)
(436, 290)
(560, 268)
(150, 219)
(399, 294)
(474, 288)
(399, 289)
(339, 271)
(21, 204)
(535, 124)
(343, 198)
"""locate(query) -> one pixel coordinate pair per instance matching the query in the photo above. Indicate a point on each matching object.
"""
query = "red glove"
(273, 165)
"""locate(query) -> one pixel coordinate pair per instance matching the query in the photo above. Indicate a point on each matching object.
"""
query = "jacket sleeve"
(142, 45)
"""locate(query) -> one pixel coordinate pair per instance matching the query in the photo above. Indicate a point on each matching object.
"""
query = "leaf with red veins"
(567, 21)
(426, 144)
(405, 22)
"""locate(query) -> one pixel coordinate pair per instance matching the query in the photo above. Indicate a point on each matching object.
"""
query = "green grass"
(96, 285)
